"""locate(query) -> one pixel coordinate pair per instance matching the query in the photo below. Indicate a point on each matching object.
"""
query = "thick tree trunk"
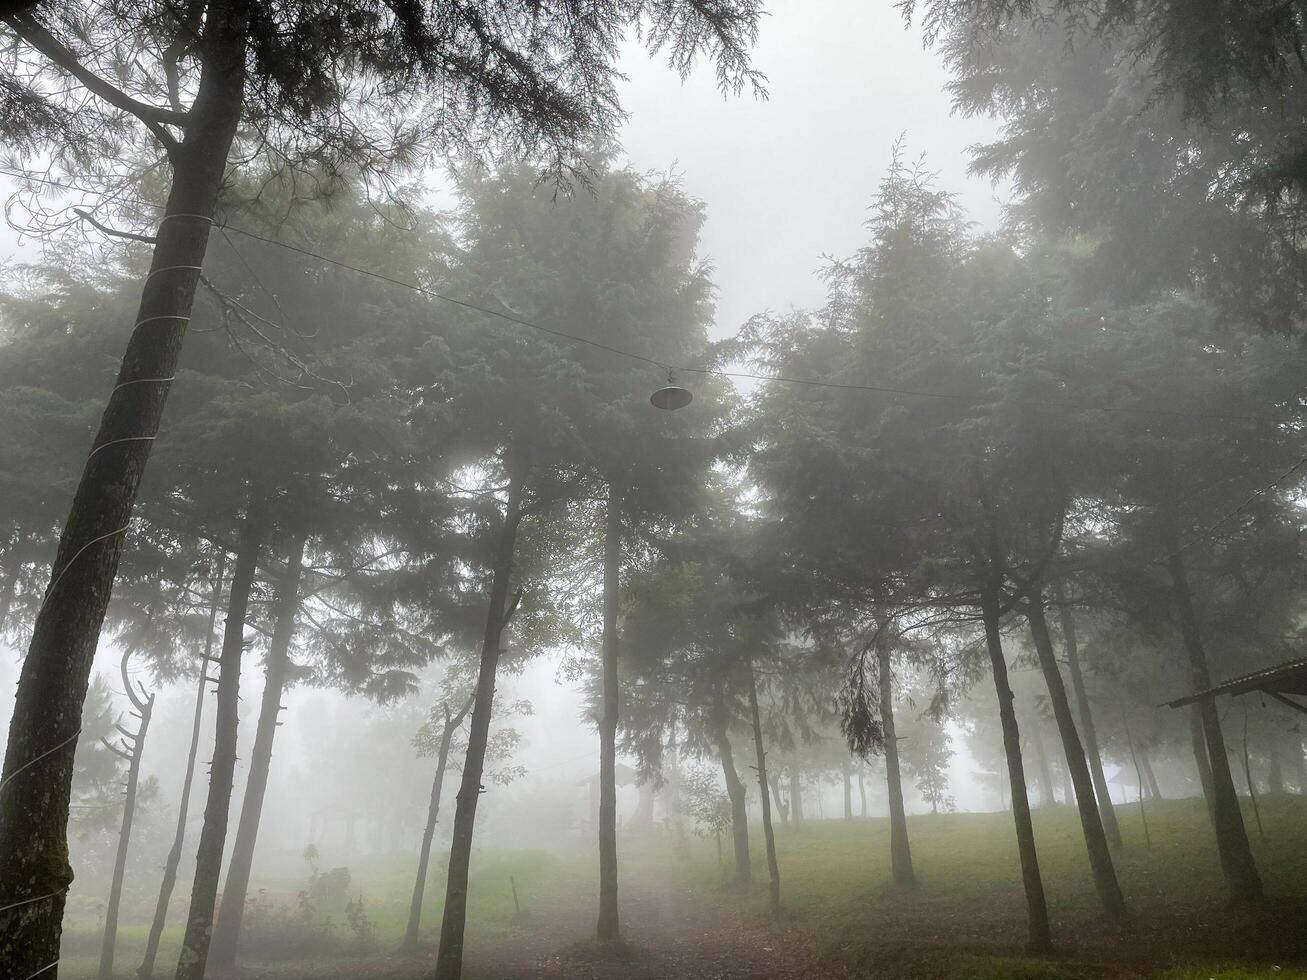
(227, 928)
(144, 709)
(1108, 813)
(862, 793)
(773, 867)
(900, 850)
(1040, 937)
(146, 969)
(222, 771)
(449, 958)
(609, 926)
(38, 766)
(735, 791)
(452, 724)
(1100, 856)
(1231, 836)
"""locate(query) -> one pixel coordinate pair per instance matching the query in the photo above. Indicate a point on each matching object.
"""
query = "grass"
(964, 919)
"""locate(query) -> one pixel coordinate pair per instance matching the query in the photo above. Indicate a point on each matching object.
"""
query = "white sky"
(790, 178)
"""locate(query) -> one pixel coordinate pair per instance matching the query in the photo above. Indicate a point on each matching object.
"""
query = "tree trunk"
(796, 793)
(1046, 795)
(734, 790)
(428, 832)
(1139, 778)
(1100, 857)
(1154, 790)
(38, 766)
(609, 927)
(773, 867)
(781, 806)
(144, 708)
(146, 969)
(227, 929)
(1231, 836)
(1201, 762)
(1108, 814)
(1040, 938)
(862, 792)
(900, 849)
(222, 770)
(847, 776)
(449, 958)
(1248, 778)
(1274, 770)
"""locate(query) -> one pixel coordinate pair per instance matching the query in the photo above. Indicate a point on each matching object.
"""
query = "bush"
(273, 931)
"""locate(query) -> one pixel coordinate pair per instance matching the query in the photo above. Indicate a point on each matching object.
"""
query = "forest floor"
(841, 917)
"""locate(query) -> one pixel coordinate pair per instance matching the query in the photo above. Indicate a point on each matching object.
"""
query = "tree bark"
(222, 770)
(449, 958)
(1040, 937)
(1231, 837)
(1108, 814)
(146, 969)
(900, 849)
(428, 832)
(38, 766)
(1100, 857)
(735, 791)
(862, 792)
(144, 708)
(609, 925)
(227, 928)
(773, 867)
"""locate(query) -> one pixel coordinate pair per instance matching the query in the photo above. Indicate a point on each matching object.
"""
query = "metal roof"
(1285, 678)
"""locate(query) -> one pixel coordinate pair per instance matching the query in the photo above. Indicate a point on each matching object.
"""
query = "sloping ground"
(966, 918)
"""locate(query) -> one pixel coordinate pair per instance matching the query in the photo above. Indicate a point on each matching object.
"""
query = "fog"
(764, 488)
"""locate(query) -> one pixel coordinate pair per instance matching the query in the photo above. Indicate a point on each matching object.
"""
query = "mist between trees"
(482, 595)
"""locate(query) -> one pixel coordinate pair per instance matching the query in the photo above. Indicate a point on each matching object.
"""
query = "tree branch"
(113, 232)
(154, 117)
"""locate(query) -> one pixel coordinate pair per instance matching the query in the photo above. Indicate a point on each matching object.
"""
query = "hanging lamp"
(671, 396)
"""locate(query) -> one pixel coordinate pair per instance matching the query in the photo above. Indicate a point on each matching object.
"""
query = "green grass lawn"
(842, 917)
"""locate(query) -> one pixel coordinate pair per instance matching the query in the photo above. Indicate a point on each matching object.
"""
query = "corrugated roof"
(1285, 678)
